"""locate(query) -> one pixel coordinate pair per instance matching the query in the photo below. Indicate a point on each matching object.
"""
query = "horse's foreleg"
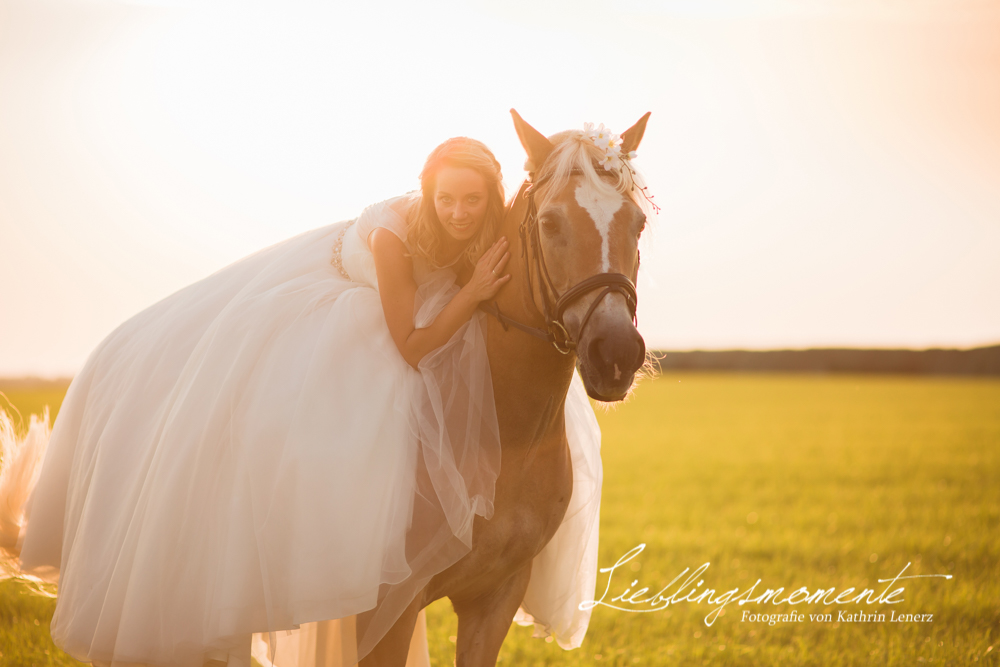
(483, 620)
(392, 649)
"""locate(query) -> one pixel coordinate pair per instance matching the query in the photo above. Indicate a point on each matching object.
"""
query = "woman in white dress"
(304, 435)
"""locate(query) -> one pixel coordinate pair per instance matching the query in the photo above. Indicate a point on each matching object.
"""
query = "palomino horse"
(574, 292)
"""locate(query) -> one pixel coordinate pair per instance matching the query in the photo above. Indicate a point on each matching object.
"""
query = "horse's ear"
(535, 144)
(632, 136)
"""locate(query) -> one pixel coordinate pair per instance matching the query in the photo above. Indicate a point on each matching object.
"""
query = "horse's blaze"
(601, 206)
(610, 350)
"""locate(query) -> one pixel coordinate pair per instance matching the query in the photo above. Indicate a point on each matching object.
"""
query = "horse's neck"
(530, 378)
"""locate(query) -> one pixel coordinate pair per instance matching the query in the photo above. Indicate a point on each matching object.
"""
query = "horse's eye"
(550, 226)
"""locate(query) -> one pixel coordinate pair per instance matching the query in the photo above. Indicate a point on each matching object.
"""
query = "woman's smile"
(460, 201)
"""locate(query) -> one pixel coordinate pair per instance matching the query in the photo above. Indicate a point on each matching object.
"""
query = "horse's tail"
(19, 469)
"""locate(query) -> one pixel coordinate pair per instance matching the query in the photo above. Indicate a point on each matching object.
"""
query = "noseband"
(554, 305)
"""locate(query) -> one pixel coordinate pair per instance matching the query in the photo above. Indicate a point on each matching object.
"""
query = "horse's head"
(582, 251)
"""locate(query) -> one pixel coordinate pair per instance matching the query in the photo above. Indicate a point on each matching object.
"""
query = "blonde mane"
(574, 152)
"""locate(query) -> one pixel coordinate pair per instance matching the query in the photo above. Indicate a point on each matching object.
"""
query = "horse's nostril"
(595, 351)
(626, 357)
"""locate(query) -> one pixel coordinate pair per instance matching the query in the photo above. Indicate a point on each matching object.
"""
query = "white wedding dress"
(253, 455)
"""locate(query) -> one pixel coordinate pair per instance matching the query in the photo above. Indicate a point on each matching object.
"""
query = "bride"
(297, 438)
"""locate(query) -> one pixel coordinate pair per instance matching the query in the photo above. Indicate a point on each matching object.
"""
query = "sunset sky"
(828, 171)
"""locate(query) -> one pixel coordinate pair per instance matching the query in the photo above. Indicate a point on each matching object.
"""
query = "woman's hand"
(488, 276)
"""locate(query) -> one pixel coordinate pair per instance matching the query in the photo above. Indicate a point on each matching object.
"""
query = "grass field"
(796, 480)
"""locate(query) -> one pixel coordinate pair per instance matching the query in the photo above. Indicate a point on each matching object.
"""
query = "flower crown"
(611, 144)
(613, 158)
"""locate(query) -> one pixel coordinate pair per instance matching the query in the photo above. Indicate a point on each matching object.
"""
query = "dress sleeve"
(383, 214)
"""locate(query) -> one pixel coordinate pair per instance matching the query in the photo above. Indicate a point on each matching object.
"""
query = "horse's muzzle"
(609, 354)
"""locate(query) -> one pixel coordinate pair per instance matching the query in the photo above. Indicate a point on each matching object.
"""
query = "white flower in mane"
(610, 161)
(578, 152)
(610, 143)
(602, 137)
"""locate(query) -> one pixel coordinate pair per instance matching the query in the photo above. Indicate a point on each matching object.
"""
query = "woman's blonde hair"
(425, 234)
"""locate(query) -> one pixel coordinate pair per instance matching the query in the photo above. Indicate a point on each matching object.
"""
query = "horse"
(570, 303)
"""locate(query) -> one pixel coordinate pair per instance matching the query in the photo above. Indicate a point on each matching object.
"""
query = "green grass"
(24, 617)
(798, 480)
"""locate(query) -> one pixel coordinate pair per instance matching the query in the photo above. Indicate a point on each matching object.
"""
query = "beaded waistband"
(338, 245)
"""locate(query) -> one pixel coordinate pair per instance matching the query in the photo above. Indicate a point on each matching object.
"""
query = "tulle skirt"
(252, 454)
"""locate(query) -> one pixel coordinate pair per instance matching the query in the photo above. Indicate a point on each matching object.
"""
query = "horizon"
(828, 171)
(46, 379)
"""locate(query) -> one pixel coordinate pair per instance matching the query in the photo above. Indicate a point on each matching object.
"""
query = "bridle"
(554, 305)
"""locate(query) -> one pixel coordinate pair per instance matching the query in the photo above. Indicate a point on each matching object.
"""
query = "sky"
(828, 171)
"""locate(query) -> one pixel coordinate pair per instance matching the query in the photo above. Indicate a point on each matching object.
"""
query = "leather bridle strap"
(611, 282)
(557, 333)
(507, 322)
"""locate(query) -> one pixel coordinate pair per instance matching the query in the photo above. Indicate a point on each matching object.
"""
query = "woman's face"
(460, 199)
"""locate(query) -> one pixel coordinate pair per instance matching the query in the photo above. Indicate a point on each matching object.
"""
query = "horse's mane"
(575, 153)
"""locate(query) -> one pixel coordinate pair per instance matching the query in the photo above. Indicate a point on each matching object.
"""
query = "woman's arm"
(398, 291)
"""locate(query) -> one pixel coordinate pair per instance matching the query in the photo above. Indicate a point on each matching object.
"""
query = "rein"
(553, 305)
